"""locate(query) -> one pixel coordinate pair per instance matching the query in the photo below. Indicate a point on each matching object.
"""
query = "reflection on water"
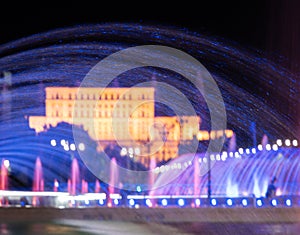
(39, 228)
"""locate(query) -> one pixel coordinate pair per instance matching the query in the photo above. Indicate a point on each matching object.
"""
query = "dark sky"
(242, 22)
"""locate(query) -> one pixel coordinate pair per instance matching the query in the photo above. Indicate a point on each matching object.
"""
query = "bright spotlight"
(116, 201)
(259, 203)
(87, 202)
(197, 202)
(279, 142)
(53, 143)
(229, 202)
(244, 202)
(213, 202)
(164, 202)
(241, 150)
(288, 202)
(260, 147)
(180, 202)
(138, 189)
(72, 147)
(268, 147)
(287, 142)
(6, 163)
(253, 150)
(56, 184)
(247, 151)
(123, 151)
(131, 202)
(62, 142)
(101, 202)
(275, 147)
(66, 147)
(295, 143)
(274, 202)
(148, 203)
(223, 157)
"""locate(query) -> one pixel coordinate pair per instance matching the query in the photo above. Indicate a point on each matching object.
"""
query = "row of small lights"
(225, 155)
(213, 202)
(179, 166)
(181, 202)
(67, 147)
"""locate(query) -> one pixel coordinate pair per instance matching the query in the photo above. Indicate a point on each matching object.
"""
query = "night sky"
(270, 26)
(244, 23)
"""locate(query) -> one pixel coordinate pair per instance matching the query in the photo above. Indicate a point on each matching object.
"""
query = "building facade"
(125, 116)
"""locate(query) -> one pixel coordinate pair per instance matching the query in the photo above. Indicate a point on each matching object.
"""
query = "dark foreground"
(15, 221)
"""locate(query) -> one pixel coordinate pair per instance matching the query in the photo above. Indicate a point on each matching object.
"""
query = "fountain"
(225, 61)
(4, 176)
(84, 186)
(113, 179)
(196, 176)
(97, 186)
(55, 185)
(248, 174)
(38, 180)
(232, 143)
(264, 141)
(151, 174)
(75, 178)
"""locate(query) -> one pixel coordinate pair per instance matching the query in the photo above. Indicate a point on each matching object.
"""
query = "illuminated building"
(125, 116)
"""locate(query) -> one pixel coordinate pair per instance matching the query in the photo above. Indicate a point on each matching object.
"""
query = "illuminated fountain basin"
(236, 175)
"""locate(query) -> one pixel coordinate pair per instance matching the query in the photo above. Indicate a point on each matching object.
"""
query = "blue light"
(244, 202)
(274, 202)
(259, 203)
(180, 202)
(164, 202)
(138, 189)
(131, 202)
(148, 203)
(229, 202)
(213, 202)
(288, 202)
(116, 201)
(197, 202)
(101, 202)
